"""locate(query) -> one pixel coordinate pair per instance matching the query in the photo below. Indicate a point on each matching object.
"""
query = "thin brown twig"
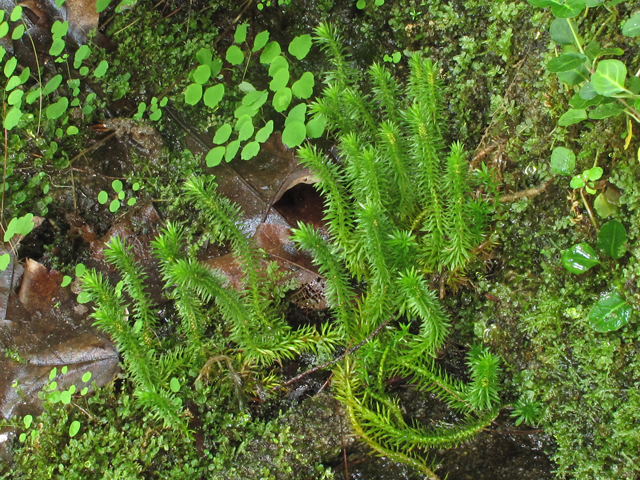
(528, 193)
(349, 351)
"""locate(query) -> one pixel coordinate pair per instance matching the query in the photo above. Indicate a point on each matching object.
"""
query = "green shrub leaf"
(202, 74)
(280, 80)
(214, 157)
(270, 52)
(193, 94)
(250, 150)
(606, 110)
(303, 88)
(609, 77)
(631, 27)
(572, 116)
(563, 161)
(265, 132)
(260, 41)
(234, 55)
(241, 33)
(12, 118)
(560, 31)
(610, 313)
(222, 134)
(566, 62)
(74, 428)
(568, 9)
(282, 99)
(579, 258)
(294, 134)
(300, 46)
(611, 239)
(213, 95)
(232, 150)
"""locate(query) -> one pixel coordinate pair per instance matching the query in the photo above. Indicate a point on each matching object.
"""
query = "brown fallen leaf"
(45, 329)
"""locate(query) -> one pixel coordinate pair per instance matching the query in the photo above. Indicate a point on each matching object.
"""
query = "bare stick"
(528, 193)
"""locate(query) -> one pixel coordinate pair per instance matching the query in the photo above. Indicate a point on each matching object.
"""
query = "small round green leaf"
(18, 32)
(80, 269)
(260, 41)
(74, 428)
(86, 377)
(101, 5)
(316, 126)
(53, 84)
(16, 13)
(10, 66)
(265, 132)
(57, 109)
(277, 63)
(53, 373)
(255, 99)
(193, 94)
(281, 100)
(232, 149)
(296, 114)
(234, 55)
(303, 88)
(611, 239)
(28, 419)
(214, 157)
(131, 202)
(294, 134)
(609, 77)
(84, 391)
(72, 130)
(56, 47)
(563, 161)
(280, 80)
(204, 56)
(202, 74)
(65, 397)
(568, 9)
(300, 46)
(631, 27)
(360, 4)
(270, 52)
(593, 174)
(241, 33)
(611, 313)
(246, 131)
(114, 205)
(103, 197)
(213, 95)
(81, 54)
(66, 280)
(117, 186)
(579, 258)
(250, 150)
(604, 207)
(174, 385)
(5, 259)
(12, 118)
(222, 134)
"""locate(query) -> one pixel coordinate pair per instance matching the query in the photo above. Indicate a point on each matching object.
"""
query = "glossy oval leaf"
(575, 76)
(300, 46)
(294, 134)
(563, 161)
(103, 197)
(611, 239)
(234, 55)
(609, 77)
(631, 27)
(303, 88)
(193, 94)
(579, 258)
(566, 62)
(213, 95)
(611, 313)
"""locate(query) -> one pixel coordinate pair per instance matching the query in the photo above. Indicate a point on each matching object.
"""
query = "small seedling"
(114, 205)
